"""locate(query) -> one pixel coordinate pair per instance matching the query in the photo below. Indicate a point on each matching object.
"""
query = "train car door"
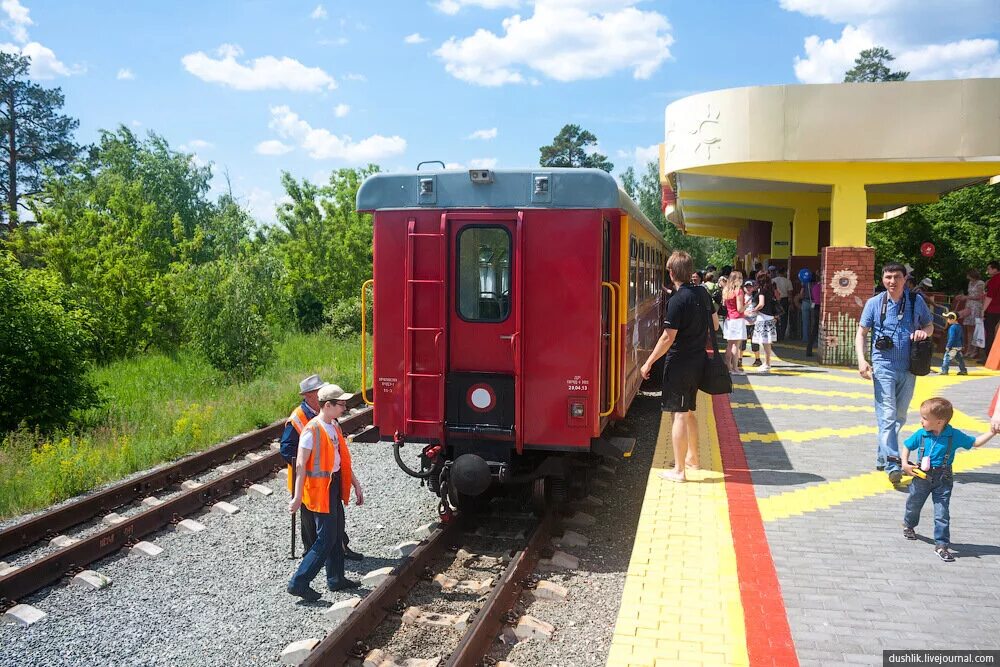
(484, 347)
(606, 365)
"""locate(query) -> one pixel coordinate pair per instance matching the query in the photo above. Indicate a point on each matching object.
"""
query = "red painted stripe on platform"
(769, 638)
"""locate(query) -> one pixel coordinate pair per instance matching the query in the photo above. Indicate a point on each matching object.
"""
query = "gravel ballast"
(218, 597)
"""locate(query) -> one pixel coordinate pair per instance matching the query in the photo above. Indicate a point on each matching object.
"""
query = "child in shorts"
(935, 444)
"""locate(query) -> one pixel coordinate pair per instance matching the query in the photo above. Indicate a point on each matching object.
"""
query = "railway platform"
(786, 547)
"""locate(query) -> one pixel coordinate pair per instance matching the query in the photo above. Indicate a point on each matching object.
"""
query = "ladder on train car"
(416, 363)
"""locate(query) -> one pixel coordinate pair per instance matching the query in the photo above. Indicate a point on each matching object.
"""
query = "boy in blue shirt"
(953, 345)
(935, 443)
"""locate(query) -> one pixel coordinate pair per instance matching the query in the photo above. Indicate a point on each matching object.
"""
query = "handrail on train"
(614, 354)
(364, 343)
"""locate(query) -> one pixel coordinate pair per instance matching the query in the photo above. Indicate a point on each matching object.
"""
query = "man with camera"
(896, 318)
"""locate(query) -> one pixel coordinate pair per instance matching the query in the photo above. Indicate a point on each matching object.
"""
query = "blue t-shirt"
(955, 336)
(899, 329)
(936, 446)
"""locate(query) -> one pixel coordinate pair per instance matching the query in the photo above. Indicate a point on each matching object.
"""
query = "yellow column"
(848, 212)
(781, 237)
(805, 232)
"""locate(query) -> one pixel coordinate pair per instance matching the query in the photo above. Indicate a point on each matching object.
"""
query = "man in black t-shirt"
(688, 320)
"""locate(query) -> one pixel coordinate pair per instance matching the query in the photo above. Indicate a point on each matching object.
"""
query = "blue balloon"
(805, 276)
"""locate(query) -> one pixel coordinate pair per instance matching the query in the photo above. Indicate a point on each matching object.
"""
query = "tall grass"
(157, 409)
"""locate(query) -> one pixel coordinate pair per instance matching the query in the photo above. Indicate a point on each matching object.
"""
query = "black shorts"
(680, 383)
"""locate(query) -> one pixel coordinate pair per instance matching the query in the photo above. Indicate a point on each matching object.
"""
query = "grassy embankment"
(158, 409)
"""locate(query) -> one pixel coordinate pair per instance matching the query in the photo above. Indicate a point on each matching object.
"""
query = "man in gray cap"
(308, 408)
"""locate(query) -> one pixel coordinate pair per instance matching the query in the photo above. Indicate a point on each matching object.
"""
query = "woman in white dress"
(765, 331)
(974, 305)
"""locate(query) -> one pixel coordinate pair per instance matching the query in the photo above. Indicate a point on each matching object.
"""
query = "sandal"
(945, 555)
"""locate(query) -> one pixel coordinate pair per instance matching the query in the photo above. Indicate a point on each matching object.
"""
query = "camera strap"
(884, 309)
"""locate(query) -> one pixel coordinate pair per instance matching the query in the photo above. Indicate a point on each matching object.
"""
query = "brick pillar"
(848, 281)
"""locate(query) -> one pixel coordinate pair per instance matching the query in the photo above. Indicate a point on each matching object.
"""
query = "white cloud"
(272, 147)
(318, 13)
(640, 156)
(17, 21)
(262, 204)
(196, 145)
(454, 165)
(565, 40)
(415, 38)
(136, 123)
(485, 135)
(266, 73)
(125, 74)
(455, 6)
(356, 77)
(341, 110)
(44, 64)
(930, 39)
(321, 144)
(483, 163)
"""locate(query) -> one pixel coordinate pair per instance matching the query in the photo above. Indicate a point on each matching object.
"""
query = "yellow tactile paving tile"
(829, 494)
(806, 392)
(681, 604)
(817, 407)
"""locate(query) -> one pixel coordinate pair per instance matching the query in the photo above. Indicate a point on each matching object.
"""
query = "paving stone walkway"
(822, 572)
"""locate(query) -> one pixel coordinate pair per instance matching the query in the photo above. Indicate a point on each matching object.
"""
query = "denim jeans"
(328, 548)
(893, 392)
(806, 316)
(949, 354)
(938, 485)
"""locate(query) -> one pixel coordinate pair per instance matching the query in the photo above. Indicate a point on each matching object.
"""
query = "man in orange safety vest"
(307, 409)
(323, 482)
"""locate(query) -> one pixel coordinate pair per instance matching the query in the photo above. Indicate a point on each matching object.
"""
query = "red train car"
(512, 310)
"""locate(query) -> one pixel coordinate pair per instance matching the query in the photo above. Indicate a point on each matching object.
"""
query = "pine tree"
(34, 137)
(873, 65)
(569, 149)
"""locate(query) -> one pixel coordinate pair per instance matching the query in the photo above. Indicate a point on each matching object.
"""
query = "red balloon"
(927, 249)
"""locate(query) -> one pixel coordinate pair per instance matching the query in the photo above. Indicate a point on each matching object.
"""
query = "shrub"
(229, 319)
(344, 318)
(43, 350)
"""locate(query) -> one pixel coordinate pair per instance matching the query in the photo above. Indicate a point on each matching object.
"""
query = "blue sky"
(257, 87)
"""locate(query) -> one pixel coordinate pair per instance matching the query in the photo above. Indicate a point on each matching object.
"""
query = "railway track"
(374, 618)
(20, 581)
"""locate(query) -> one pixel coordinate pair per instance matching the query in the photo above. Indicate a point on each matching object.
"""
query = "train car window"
(483, 285)
(642, 272)
(632, 250)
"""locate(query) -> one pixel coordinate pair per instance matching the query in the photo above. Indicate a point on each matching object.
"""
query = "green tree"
(645, 191)
(36, 138)
(324, 244)
(43, 344)
(569, 149)
(120, 228)
(873, 65)
(964, 228)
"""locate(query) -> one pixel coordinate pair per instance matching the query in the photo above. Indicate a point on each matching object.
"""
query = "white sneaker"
(765, 369)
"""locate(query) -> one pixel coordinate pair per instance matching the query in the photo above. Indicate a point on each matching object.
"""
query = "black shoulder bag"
(715, 377)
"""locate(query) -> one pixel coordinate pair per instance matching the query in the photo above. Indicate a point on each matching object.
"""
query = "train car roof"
(504, 188)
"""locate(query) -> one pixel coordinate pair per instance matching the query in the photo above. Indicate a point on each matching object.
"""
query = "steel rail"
(338, 646)
(488, 623)
(39, 573)
(52, 522)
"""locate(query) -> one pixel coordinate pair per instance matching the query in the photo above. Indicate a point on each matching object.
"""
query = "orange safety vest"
(319, 469)
(298, 420)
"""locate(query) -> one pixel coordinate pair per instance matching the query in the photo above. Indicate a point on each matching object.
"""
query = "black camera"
(883, 343)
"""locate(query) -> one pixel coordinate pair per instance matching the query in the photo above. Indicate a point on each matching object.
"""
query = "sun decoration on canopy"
(844, 282)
